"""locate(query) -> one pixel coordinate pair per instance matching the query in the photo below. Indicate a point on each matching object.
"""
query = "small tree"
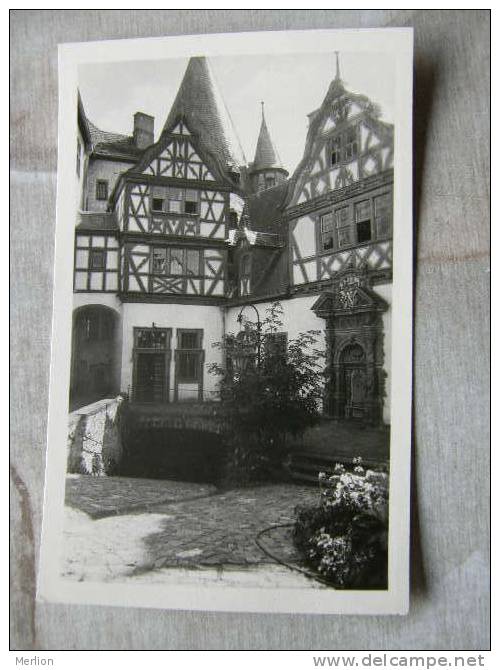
(270, 391)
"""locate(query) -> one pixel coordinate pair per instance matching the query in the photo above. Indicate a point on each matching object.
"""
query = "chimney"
(144, 128)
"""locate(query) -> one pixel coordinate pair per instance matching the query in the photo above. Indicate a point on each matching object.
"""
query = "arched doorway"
(353, 380)
(353, 311)
(95, 355)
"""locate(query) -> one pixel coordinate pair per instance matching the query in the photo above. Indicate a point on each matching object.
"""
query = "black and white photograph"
(229, 421)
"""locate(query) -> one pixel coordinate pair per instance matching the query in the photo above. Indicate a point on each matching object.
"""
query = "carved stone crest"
(347, 291)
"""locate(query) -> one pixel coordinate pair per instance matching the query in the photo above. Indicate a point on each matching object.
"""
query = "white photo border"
(51, 586)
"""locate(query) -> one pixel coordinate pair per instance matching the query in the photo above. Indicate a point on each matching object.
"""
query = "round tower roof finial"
(262, 107)
(337, 74)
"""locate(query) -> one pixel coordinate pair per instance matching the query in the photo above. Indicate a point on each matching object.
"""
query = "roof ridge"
(99, 136)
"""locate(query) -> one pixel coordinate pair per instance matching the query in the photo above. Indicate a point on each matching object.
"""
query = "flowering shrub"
(344, 537)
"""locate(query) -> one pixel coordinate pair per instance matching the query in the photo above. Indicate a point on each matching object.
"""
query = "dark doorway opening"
(94, 365)
(178, 454)
(151, 377)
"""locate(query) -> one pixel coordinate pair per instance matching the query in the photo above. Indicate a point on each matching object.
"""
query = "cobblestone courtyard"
(123, 528)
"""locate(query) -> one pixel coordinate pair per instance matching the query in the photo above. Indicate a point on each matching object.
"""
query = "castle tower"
(266, 170)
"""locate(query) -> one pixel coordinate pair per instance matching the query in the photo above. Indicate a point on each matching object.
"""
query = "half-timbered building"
(175, 236)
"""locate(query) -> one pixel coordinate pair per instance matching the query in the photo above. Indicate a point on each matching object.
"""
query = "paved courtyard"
(123, 528)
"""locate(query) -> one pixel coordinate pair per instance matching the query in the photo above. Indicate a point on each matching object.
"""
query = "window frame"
(363, 220)
(327, 233)
(168, 261)
(101, 183)
(345, 149)
(197, 351)
(156, 209)
(173, 194)
(245, 273)
(269, 181)
(346, 228)
(389, 214)
(99, 252)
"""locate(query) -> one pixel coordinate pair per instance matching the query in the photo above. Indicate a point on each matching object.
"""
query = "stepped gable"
(200, 103)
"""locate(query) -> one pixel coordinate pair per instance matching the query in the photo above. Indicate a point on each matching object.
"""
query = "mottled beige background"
(450, 565)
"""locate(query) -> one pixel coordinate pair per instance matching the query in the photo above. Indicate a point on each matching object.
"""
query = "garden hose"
(290, 566)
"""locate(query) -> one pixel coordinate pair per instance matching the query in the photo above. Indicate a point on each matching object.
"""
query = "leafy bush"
(270, 390)
(344, 537)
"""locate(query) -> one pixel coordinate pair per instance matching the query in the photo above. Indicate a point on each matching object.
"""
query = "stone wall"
(94, 438)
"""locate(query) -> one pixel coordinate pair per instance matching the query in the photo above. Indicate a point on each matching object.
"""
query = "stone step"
(305, 466)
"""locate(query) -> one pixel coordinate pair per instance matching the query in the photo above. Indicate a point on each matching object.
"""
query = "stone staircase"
(334, 442)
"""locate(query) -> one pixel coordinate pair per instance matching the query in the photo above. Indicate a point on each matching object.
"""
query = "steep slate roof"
(266, 155)
(101, 221)
(264, 210)
(199, 101)
(99, 136)
(106, 143)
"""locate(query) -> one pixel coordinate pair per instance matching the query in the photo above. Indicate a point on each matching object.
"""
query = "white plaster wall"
(102, 169)
(385, 292)
(174, 316)
(305, 235)
(297, 316)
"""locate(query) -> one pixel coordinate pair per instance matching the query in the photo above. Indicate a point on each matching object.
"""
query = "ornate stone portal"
(355, 353)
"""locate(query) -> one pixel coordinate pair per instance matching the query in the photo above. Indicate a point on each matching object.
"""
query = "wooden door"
(150, 377)
(355, 385)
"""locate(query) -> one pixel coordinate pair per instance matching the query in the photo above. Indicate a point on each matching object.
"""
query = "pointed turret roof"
(199, 101)
(266, 155)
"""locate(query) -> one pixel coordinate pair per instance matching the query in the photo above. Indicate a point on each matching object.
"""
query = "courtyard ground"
(156, 530)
